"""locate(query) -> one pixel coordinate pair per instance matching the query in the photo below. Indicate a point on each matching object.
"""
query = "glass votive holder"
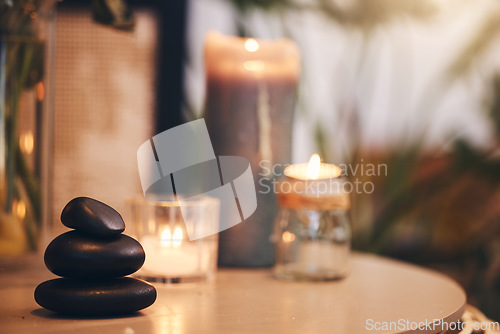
(163, 230)
(312, 230)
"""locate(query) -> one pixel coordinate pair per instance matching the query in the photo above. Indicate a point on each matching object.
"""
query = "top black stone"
(92, 217)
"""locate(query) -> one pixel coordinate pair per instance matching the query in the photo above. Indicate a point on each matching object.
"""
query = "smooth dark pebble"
(92, 217)
(113, 296)
(77, 255)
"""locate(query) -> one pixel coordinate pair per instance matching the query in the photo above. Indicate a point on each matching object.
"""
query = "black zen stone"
(92, 217)
(112, 296)
(77, 255)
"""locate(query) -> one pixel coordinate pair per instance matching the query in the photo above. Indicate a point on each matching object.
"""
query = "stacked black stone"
(93, 258)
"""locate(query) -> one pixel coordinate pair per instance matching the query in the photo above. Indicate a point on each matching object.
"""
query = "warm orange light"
(40, 91)
(313, 167)
(167, 239)
(288, 237)
(26, 142)
(314, 170)
(19, 209)
(253, 65)
(177, 238)
(251, 45)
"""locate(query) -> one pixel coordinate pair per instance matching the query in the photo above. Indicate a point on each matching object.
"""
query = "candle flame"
(177, 238)
(313, 167)
(251, 45)
(168, 239)
(313, 170)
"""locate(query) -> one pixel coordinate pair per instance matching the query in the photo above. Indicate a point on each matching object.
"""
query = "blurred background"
(410, 85)
(413, 85)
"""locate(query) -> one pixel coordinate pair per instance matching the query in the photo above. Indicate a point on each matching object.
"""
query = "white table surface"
(252, 301)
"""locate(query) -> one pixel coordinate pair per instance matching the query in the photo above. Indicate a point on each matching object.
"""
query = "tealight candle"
(170, 256)
(313, 185)
(312, 232)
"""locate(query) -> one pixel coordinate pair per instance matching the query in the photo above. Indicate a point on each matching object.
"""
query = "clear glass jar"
(26, 112)
(312, 233)
(163, 229)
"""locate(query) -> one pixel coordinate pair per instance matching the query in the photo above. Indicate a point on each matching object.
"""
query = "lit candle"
(162, 229)
(169, 255)
(249, 83)
(250, 96)
(312, 185)
(231, 58)
(313, 170)
(311, 233)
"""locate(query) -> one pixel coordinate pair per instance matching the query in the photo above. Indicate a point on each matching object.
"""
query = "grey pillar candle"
(251, 86)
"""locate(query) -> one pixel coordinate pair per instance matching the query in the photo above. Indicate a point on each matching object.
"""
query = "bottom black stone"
(113, 296)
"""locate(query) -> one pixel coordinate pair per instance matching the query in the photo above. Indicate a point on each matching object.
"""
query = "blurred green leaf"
(321, 142)
(36, 66)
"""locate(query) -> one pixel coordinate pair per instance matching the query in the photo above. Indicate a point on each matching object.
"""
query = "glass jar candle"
(312, 231)
(163, 229)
